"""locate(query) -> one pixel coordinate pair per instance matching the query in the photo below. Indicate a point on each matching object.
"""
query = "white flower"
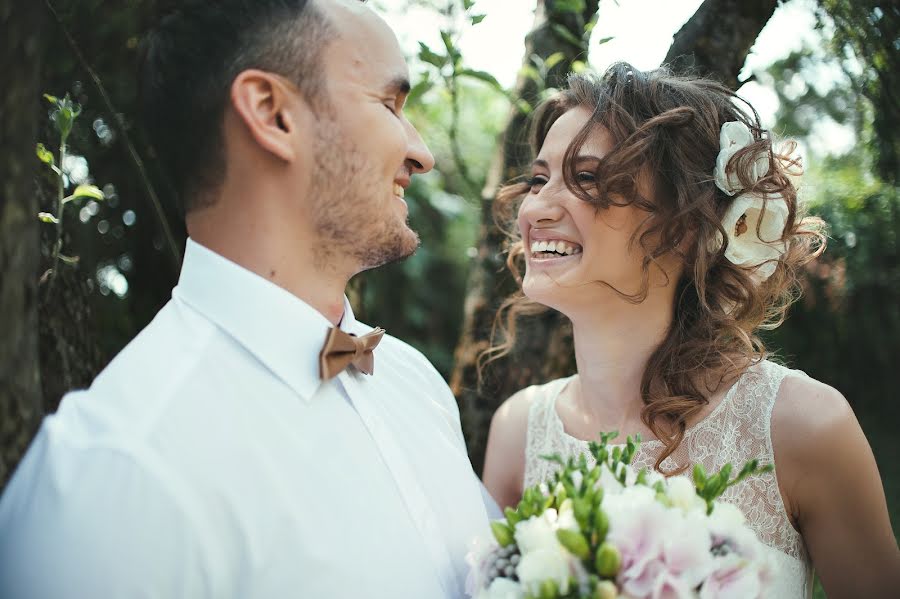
(733, 137)
(538, 532)
(726, 516)
(754, 233)
(502, 588)
(683, 495)
(566, 517)
(76, 167)
(547, 563)
(543, 556)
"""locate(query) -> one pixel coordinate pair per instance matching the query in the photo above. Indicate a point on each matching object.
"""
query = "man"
(225, 452)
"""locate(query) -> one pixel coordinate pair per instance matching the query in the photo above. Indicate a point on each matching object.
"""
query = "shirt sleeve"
(88, 520)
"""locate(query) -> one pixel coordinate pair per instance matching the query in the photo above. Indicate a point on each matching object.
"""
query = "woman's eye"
(536, 181)
(586, 177)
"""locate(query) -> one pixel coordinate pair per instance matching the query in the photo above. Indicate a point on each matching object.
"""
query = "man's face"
(365, 149)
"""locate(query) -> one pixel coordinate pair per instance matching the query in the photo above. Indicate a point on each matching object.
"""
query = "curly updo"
(665, 129)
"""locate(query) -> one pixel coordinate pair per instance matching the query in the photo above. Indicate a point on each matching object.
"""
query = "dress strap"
(538, 436)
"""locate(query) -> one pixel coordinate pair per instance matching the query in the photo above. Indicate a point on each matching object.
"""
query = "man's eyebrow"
(398, 85)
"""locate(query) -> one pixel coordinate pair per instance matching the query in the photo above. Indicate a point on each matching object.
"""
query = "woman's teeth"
(398, 190)
(560, 248)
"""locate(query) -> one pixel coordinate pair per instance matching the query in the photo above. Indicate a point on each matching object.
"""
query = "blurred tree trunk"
(540, 354)
(20, 383)
(716, 40)
(544, 346)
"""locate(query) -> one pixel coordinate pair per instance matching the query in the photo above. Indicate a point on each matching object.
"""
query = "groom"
(256, 440)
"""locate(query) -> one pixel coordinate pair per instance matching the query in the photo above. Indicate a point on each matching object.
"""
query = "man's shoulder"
(142, 378)
(405, 353)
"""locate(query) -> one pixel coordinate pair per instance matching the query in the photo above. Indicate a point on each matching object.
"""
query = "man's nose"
(418, 157)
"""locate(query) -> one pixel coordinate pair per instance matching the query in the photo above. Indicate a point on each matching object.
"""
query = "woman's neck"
(612, 348)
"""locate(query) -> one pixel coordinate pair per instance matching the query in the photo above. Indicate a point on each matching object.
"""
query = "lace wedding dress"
(737, 430)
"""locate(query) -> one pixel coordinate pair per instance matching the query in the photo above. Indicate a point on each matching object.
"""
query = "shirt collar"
(278, 328)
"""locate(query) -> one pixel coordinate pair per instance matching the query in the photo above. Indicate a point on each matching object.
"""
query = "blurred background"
(824, 72)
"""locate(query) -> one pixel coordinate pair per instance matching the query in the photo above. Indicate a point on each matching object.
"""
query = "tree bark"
(716, 40)
(489, 281)
(20, 383)
(544, 345)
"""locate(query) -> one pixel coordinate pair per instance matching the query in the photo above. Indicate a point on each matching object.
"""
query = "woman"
(664, 223)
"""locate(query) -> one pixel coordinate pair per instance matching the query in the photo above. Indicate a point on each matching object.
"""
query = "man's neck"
(289, 267)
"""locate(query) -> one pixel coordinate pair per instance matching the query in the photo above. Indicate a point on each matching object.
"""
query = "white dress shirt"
(209, 460)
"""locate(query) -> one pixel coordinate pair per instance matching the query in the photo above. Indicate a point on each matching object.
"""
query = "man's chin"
(400, 248)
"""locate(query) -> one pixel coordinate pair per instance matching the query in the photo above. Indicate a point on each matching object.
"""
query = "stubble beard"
(350, 222)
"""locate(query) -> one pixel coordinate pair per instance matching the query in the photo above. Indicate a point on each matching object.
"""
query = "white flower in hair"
(733, 137)
(754, 233)
(753, 223)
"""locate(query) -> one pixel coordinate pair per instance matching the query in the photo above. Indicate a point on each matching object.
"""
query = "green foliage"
(62, 117)
(870, 30)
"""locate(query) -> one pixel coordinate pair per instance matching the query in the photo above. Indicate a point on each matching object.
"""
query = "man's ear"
(268, 107)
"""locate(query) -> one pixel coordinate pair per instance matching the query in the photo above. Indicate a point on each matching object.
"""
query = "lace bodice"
(737, 430)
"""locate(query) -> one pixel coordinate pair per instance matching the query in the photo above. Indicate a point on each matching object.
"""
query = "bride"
(661, 219)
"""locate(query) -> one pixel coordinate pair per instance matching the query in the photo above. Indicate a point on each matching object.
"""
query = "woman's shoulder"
(813, 425)
(513, 414)
(808, 408)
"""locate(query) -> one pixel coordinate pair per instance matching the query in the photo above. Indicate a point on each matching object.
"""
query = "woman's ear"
(267, 106)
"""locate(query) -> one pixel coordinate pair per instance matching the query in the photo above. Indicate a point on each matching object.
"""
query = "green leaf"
(418, 90)
(523, 106)
(44, 155)
(608, 561)
(476, 19)
(566, 35)
(568, 6)
(699, 477)
(532, 73)
(582, 507)
(448, 43)
(481, 76)
(467, 4)
(553, 60)
(512, 516)
(604, 40)
(502, 532)
(554, 458)
(548, 589)
(51, 99)
(575, 542)
(579, 66)
(601, 524)
(88, 191)
(46, 217)
(428, 55)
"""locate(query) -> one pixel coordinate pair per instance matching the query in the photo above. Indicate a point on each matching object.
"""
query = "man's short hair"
(189, 61)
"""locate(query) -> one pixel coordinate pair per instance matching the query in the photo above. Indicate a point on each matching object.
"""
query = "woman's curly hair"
(665, 129)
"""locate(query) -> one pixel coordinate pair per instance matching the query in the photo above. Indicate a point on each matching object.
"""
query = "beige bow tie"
(342, 349)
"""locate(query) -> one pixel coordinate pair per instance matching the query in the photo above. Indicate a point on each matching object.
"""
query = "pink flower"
(665, 552)
(733, 577)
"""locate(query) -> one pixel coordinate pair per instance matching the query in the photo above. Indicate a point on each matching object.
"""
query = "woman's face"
(570, 246)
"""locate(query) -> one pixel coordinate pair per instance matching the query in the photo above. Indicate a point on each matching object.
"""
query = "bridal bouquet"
(605, 531)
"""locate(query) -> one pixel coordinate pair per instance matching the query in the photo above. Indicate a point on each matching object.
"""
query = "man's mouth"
(543, 250)
(399, 191)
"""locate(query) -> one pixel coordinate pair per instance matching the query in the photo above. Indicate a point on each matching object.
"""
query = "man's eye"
(392, 106)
